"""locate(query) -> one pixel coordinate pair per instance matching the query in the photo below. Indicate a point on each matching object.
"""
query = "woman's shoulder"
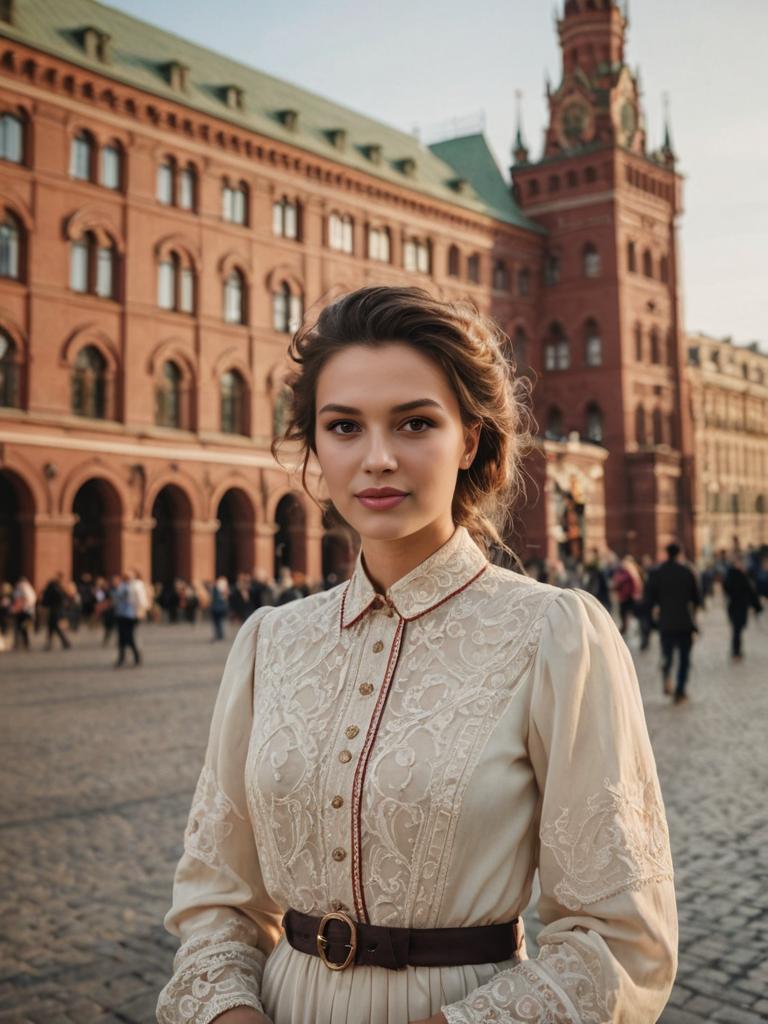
(543, 601)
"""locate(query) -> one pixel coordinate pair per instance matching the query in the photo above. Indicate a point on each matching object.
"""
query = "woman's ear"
(471, 443)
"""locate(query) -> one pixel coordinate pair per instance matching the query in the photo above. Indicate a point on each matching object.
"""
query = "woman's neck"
(387, 561)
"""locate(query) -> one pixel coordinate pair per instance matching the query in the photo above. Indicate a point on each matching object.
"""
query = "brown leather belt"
(340, 942)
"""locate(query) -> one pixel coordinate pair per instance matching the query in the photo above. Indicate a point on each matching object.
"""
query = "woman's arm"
(227, 923)
(608, 951)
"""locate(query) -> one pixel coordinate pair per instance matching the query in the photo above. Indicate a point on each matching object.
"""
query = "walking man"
(673, 588)
(127, 611)
(742, 595)
(53, 600)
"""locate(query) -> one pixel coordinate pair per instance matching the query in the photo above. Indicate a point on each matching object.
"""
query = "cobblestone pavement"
(98, 768)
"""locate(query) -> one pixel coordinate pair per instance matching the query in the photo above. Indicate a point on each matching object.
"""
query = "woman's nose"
(379, 454)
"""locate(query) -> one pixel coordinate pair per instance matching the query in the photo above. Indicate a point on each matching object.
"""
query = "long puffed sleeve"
(225, 920)
(608, 951)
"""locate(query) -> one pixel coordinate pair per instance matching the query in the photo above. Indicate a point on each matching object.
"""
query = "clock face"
(575, 123)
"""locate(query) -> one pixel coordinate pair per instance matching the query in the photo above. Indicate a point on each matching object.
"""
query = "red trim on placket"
(362, 766)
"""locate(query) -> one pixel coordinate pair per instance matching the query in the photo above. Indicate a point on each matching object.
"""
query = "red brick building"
(168, 215)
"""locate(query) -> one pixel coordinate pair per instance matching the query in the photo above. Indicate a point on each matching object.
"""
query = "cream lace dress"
(413, 763)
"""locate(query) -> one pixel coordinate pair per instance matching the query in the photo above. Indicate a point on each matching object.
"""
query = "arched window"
(655, 346)
(10, 246)
(554, 430)
(557, 351)
(631, 257)
(594, 424)
(520, 349)
(233, 408)
(593, 345)
(664, 270)
(89, 384)
(11, 139)
(552, 269)
(658, 426)
(168, 396)
(572, 178)
(10, 372)
(234, 298)
(81, 157)
(639, 347)
(554, 183)
(640, 432)
(533, 187)
(110, 166)
(187, 188)
(523, 282)
(166, 176)
(500, 276)
(454, 261)
(287, 309)
(591, 260)
(378, 244)
(285, 218)
(417, 255)
(473, 268)
(175, 284)
(340, 233)
(234, 203)
(590, 175)
(92, 267)
(647, 263)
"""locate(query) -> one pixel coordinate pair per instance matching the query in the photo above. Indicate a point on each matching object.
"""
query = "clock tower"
(609, 358)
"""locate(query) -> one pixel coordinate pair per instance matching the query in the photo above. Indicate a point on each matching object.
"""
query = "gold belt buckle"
(322, 942)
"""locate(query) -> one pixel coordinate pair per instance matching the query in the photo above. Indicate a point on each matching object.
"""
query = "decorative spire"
(667, 149)
(519, 150)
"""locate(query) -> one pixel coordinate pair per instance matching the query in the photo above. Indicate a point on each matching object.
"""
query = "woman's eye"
(344, 425)
(421, 425)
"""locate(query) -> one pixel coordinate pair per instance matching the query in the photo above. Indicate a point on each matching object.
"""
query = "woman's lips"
(381, 504)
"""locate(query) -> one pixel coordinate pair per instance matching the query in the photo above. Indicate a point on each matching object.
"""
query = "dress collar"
(439, 577)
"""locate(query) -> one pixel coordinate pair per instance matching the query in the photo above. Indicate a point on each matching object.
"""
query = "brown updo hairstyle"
(475, 356)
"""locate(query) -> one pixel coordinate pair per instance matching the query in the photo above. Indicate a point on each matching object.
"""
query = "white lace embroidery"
(619, 841)
(213, 973)
(209, 821)
(563, 986)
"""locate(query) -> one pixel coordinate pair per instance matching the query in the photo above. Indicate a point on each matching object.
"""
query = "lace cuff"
(563, 986)
(213, 973)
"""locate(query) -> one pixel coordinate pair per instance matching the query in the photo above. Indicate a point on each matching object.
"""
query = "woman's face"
(388, 420)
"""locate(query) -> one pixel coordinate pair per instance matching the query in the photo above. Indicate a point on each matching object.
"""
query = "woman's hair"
(475, 356)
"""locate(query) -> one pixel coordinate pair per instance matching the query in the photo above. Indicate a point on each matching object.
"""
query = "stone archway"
(235, 534)
(96, 533)
(171, 536)
(17, 516)
(290, 535)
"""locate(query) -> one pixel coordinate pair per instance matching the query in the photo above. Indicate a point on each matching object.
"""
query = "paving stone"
(99, 769)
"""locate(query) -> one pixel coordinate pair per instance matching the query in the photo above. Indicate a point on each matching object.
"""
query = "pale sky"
(415, 63)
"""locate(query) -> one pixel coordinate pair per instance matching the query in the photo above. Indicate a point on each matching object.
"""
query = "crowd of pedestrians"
(120, 604)
(665, 597)
(661, 598)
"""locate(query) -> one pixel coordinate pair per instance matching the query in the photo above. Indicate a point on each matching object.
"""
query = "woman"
(391, 759)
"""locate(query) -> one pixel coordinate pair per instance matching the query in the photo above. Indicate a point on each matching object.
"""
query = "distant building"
(169, 215)
(729, 413)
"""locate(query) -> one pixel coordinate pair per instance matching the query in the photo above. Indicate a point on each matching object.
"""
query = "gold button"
(366, 689)
(337, 905)
(339, 854)
(345, 756)
(337, 802)
(378, 647)
(351, 731)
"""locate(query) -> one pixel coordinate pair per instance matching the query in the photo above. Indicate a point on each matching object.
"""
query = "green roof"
(141, 53)
(472, 159)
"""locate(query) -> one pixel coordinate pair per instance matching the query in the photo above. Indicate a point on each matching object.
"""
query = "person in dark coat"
(54, 599)
(742, 595)
(674, 590)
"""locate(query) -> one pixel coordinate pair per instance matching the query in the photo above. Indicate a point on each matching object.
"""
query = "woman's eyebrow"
(404, 407)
